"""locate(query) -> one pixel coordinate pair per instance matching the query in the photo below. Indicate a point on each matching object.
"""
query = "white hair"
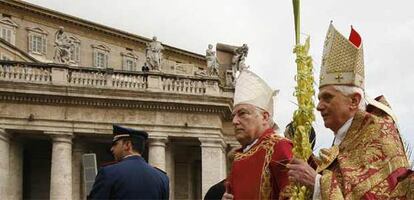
(272, 124)
(349, 90)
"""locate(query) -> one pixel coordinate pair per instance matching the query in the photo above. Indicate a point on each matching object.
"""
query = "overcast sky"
(386, 28)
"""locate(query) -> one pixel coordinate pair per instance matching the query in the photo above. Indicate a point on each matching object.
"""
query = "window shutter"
(94, 57)
(106, 60)
(124, 63)
(89, 171)
(8, 35)
(30, 42)
(44, 42)
(77, 52)
(2, 32)
(72, 53)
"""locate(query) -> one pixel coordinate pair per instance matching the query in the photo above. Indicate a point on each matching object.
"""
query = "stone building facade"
(52, 111)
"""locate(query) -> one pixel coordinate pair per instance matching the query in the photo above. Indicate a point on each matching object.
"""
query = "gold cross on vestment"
(339, 77)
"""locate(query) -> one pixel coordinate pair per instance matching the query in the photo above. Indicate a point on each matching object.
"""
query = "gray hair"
(348, 90)
(272, 123)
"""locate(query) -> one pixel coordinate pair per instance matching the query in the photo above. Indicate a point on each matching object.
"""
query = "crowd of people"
(367, 159)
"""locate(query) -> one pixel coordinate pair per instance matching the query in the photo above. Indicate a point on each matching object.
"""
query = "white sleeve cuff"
(317, 188)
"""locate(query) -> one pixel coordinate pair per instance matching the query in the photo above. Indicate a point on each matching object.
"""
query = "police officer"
(130, 177)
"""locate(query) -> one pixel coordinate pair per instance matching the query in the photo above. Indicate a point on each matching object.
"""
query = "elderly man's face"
(335, 107)
(248, 123)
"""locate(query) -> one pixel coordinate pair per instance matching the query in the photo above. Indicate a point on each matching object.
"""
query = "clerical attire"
(260, 172)
(369, 163)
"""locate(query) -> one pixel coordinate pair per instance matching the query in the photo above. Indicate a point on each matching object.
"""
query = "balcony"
(55, 74)
(61, 84)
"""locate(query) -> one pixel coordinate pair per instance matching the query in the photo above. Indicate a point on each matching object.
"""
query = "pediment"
(129, 54)
(101, 47)
(75, 39)
(37, 30)
(9, 22)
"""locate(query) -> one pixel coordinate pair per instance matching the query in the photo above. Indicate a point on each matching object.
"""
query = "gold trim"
(326, 158)
(267, 144)
(266, 185)
(377, 178)
(342, 61)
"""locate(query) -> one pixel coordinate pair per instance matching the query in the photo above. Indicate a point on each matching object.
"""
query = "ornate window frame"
(129, 61)
(8, 30)
(37, 41)
(75, 50)
(100, 55)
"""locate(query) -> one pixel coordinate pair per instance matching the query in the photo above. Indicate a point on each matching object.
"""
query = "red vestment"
(260, 173)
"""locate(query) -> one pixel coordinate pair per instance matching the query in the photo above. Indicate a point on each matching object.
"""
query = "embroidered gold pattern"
(266, 144)
(369, 153)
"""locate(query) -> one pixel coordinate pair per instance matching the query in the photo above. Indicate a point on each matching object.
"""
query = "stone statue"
(63, 46)
(153, 54)
(212, 62)
(239, 58)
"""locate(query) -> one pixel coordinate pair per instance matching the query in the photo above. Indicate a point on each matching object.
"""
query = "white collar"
(248, 147)
(340, 135)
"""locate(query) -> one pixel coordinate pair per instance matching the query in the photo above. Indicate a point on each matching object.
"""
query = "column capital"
(65, 137)
(157, 140)
(212, 142)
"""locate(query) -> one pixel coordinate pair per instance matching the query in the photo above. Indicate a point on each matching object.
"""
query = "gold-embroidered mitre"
(342, 60)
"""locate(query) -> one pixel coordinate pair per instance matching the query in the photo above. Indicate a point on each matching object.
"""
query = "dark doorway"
(37, 155)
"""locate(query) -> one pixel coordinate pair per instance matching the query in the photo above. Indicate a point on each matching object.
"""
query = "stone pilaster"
(156, 151)
(61, 169)
(154, 83)
(213, 162)
(4, 163)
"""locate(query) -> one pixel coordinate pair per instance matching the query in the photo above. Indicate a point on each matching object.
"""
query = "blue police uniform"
(130, 178)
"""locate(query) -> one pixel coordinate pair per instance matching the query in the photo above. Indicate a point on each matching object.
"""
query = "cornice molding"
(223, 111)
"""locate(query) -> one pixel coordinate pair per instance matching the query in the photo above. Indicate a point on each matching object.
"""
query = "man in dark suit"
(130, 177)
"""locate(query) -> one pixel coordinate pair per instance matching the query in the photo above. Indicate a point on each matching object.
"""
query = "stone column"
(4, 163)
(61, 169)
(16, 169)
(156, 151)
(212, 162)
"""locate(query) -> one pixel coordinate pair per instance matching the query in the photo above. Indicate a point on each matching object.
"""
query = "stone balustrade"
(183, 85)
(55, 74)
(25, 73)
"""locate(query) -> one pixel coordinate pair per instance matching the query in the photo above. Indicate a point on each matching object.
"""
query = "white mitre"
(251, 89)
